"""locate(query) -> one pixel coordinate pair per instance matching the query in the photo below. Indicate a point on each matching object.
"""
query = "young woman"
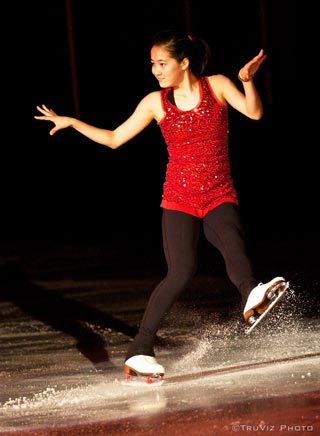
(191, 110)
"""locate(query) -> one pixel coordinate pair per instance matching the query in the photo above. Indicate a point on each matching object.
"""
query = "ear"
(185, 63)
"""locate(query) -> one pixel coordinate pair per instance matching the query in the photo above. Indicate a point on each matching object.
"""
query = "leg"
(223, 229)
(180, 240)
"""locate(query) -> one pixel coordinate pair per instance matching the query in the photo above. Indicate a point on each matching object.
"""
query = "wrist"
(242, 78)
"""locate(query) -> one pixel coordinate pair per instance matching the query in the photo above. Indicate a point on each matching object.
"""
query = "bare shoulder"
(152, 103)
(220, 84)
(153, 98)
(218, 80)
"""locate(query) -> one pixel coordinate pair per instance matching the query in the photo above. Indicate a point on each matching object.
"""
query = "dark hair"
(181, 46)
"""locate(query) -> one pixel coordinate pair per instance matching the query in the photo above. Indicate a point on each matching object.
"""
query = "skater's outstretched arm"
(140, 118)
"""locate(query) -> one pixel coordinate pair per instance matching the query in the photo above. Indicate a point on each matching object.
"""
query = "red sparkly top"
(198, 173)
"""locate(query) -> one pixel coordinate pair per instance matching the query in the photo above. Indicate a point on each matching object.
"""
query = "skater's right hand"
(60, 122)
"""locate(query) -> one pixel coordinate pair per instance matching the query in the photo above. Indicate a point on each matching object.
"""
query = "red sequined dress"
(198, 173)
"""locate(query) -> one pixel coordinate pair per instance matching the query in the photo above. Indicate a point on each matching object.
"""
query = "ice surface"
(63, 345)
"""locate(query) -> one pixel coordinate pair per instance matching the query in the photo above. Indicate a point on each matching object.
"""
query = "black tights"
(180, 232)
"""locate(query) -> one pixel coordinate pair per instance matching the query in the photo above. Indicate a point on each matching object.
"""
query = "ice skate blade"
(283, 287)
(133, 380)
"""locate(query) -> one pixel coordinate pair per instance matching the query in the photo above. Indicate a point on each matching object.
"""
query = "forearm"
(254, 107)
(96, 134)
(253, 103)
(140, 118)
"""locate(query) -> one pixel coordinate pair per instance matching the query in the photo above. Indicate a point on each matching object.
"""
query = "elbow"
(113, 143)
(257, 118)
(113, 146)
(257, 115)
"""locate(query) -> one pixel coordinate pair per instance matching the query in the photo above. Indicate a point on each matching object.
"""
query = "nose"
(156, 70)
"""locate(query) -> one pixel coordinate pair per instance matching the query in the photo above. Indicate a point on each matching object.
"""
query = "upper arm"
(248, 103)
(228, 93)
(144, 113)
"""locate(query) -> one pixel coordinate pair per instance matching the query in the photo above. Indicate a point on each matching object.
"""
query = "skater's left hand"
(249, 70)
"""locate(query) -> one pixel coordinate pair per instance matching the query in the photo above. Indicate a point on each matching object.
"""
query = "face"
(167, 70)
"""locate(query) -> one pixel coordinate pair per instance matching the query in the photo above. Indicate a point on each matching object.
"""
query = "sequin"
(198, 171)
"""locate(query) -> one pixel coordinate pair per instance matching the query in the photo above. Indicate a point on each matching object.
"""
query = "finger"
(42, 117)
(42, 110)
(45, 110)
(261, 56)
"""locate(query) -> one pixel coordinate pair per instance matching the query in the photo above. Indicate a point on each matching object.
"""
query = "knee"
(184, 272)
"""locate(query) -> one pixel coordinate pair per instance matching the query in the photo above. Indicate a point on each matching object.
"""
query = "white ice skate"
(261, 299)
(146, 366)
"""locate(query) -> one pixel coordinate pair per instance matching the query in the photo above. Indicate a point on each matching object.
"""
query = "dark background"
(90, 59)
